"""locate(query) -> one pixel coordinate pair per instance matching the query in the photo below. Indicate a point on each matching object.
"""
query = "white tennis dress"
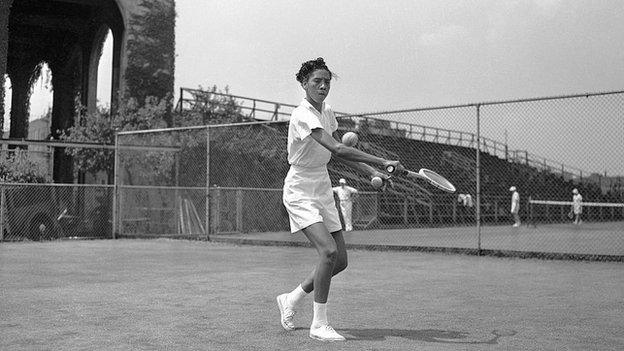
(308, 195)
(577, 203)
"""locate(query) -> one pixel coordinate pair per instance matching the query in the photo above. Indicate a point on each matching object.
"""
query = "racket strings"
(438, 180)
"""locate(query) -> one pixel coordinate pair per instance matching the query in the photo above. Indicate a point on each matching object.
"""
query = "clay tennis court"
(196, 295)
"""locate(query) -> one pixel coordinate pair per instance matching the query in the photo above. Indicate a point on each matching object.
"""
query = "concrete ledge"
(449, 250)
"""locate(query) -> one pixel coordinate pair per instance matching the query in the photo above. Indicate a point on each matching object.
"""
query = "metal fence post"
(2, 204)
(115, 186)
(239, 210)
(207, 193)
(216, 210)
(478, 176)
(177, 191)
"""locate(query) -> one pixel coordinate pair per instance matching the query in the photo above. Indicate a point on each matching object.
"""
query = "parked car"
(31, 213)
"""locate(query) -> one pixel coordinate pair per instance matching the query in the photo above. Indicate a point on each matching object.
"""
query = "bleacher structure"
(449, 152)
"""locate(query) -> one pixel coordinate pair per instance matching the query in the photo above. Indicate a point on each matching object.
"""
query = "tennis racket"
(426, 174)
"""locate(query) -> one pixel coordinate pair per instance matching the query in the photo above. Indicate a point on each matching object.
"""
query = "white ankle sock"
(295, 296)
(320, 314)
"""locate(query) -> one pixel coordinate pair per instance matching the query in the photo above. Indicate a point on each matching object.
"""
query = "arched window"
(41, 98)
(7, 106)
(105, 72)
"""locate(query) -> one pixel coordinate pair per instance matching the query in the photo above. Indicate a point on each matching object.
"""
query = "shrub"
(18, 168)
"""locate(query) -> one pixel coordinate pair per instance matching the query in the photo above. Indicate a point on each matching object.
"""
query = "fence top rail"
(499, 102)
(58, 185)
(64, 144)
(56, 143)
(208, 126)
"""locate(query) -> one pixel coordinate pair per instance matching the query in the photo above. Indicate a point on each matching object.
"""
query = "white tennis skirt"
(309, 198)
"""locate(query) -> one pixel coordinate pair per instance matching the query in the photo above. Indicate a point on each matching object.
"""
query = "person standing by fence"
(577, 206)
(346, 196)
(515, 206)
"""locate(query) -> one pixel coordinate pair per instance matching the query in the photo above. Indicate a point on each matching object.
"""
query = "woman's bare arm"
(347, 153)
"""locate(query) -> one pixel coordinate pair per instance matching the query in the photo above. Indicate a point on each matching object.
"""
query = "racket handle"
(391, 169)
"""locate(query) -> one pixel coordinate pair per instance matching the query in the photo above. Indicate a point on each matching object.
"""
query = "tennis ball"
(376, 182)
(350, 139)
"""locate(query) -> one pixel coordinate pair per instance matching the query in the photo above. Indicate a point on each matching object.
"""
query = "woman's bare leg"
(339, 266)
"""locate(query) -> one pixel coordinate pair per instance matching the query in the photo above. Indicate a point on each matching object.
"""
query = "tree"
(151, 52)
(239, 156)
(100, 127)
(210, 107)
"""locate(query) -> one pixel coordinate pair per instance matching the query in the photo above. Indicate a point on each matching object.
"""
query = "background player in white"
(577, 206)
(346, 196)
(308, 195)
(515, 206)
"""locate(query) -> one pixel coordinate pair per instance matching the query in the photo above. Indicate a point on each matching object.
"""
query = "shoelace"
(329, 329)
(288, 313)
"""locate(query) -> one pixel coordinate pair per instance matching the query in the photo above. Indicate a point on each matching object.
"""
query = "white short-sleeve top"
(304, 151)
(345, 193)
(577, 201)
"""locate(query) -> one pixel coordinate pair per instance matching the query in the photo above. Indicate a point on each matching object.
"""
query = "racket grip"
(391, 169)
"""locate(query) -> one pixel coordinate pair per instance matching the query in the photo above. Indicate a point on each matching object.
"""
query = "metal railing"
(256, 109)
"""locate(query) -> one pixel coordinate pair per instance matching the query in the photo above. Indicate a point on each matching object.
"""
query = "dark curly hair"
(310, 66)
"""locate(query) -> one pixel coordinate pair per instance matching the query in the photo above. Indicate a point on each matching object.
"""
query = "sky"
(403, 54)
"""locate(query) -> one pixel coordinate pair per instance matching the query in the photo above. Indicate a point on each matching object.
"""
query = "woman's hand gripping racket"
(432, 177)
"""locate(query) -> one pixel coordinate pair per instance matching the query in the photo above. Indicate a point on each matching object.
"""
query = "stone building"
(68, 35)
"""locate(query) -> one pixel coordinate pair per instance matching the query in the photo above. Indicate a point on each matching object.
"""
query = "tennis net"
(561, 211)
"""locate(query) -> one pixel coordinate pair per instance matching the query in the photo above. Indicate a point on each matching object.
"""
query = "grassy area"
(191, 295)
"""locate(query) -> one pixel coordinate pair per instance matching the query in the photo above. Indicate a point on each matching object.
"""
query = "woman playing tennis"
(308, 195)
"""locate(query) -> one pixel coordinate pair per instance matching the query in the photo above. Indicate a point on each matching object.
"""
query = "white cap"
(513, 188)
(342, 181)
(574, 191)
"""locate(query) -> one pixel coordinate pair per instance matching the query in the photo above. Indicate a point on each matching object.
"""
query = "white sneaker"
(286, 312)
(516, 225)
(325, 333)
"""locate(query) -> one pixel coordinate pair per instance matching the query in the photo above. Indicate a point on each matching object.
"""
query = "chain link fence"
(33, 208)
(55, 211)
(225, 181)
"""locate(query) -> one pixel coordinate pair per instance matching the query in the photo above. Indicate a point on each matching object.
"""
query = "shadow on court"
(425, 335)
